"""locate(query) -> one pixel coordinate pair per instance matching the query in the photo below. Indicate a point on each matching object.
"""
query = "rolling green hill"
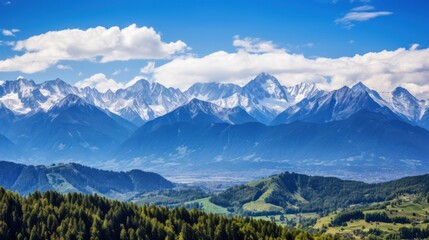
(74, 177)
(297, 193)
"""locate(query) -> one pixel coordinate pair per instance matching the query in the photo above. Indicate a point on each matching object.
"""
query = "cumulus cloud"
(382, 70)
(102, 83)
(98, 44)
(149, 68)
(9, 33)
(253, 45)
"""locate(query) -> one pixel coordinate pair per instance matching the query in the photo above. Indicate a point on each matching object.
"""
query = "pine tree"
(123, 235)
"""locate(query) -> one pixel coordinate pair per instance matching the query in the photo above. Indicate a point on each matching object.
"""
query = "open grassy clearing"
(208, 206)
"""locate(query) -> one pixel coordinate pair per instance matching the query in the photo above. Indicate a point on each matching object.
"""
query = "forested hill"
(301, 193)
(51, 215)
(74, 177)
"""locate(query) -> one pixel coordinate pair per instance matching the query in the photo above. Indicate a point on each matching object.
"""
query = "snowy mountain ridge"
(264, 98)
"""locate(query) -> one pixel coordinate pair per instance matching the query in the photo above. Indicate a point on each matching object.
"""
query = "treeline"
(413, 233)
(383, 217)
(409, 233)
(342, 218)
(51, 215)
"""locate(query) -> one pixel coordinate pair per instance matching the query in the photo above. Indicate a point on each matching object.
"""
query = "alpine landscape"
(140, 120)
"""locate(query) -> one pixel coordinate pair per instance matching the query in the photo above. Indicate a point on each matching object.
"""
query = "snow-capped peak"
(405, 104)
(70, 101)
(301, 91)
(265, 86)
(360, 87)
(212, 91)
(402, 92)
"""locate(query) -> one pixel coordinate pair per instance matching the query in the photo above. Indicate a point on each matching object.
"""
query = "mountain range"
(264, 98)
(73, 177)
(215, 126)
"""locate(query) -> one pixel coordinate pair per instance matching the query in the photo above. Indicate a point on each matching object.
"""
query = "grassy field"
(209, 207)
(260, 205)
(405, 206)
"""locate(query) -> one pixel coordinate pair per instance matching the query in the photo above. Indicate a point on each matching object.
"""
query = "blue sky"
(313, 28)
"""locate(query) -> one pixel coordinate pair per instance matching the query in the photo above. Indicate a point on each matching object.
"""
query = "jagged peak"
(71, 100)
(265, 77)
(21, 81)
(360, 87)
(344, 89)
(265, 86)
(198, 103)
(142, 84)
(303, 85)
(400, 90)
(56, 81)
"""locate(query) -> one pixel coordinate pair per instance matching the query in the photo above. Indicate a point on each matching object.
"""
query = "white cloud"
(414, 46)
(380, 70)
(361, 16)
(102, 83)
(253, 45)
(363, 8)
(351, 17)
(9, 33)
(64, 67)
(418, 90)
(149, 68)
(98, 44)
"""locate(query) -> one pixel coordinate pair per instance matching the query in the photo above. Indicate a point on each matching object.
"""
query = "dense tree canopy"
(51, 215)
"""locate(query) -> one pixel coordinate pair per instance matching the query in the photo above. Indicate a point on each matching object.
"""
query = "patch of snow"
(15, 104)
(278, 105)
